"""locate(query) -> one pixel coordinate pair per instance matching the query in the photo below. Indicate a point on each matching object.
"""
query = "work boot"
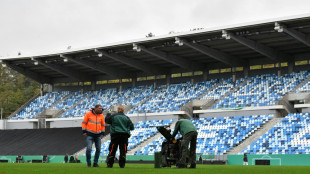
(88, 165)
(95, 165)
(193, 166)
(122, 165)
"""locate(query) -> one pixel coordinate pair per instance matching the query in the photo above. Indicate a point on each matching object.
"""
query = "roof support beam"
(35, 76)
(69, 80)
(111, 71)
(65, 71)
(132, 62)
(260, 48)
(217, 55)
(301, 37)
(179, 61)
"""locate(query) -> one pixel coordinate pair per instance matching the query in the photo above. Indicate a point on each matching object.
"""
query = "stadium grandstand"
(245, 87)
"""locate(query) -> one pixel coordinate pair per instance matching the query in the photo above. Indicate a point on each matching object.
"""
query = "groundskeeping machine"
(170, 150)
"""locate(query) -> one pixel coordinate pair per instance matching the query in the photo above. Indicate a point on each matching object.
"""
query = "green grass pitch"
(35, 168)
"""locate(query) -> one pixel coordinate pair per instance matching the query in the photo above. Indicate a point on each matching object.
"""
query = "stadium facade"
(240, 85)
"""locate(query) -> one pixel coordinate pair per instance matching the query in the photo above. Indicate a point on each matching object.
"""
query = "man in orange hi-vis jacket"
(93, 128)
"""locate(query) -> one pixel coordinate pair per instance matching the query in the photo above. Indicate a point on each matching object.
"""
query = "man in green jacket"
(120, 129)
(189, 134)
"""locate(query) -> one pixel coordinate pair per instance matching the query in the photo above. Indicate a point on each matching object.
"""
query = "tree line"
(15, 90)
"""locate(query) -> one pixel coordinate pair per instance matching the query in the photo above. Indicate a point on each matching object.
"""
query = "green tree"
(15, 90)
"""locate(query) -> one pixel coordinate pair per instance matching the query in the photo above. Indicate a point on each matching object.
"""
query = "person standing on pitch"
(120, 132)
(245, 159)
(66, 158)
(93, 128)
(189, 134)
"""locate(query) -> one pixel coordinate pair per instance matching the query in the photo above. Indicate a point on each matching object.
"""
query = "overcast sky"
(34, 27)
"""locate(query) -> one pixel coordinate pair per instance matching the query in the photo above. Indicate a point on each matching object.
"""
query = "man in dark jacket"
(189, 134)
(245, 159)
(71, 159)
(66, 158)
(120, 132)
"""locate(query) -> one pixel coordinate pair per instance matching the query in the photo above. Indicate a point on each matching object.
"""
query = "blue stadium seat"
(216, 135)
(262, 90)
(40, 104)
(290, 136)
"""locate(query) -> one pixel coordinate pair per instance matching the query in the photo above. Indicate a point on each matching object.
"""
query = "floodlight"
(36, 63)
(178, 41)
(65, 58)
(99, 52)
(278, 27)
(225, 34)
(136, 47)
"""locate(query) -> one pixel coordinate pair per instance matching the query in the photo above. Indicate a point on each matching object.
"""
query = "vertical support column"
(42, 89)
(155, 82)
(82, 87)
(168, 76)
(246, 71)
(134, 81)
(233, 69)
(120, 85)
(291, 66)
(41, 123)
(279, 69)
(192, 79)
(205, 75)
(93, 85)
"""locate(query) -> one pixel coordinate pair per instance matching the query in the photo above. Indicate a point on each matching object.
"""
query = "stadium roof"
(263, 42)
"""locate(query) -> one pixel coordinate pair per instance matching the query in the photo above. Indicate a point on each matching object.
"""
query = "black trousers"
(121, 141)
(191, 138)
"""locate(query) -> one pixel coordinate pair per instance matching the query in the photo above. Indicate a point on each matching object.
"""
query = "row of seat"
(223, 88)
(39, 105)
(304, 88)
(216, 135)
(260, 90)
(290, 136)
